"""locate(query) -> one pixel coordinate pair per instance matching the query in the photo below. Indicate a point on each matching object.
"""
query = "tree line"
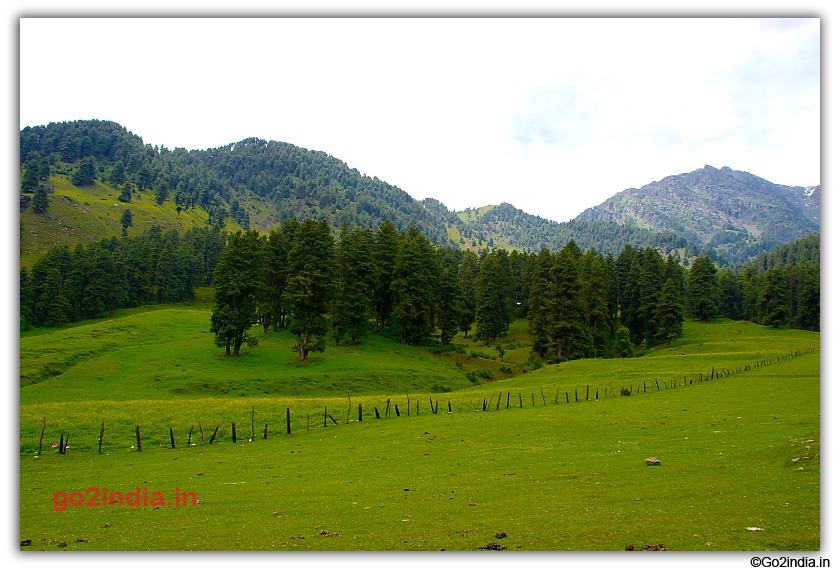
(578, 304)
(91, 281)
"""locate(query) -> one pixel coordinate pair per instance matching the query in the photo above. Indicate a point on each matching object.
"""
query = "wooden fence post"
(376, 411)
(409, 401)
(253, 434)
(233, 430)
(520, 399)
(101, 437)
(388, 408)
(450, 405)
(202, 431)
(360, 411)
(212, 437)
(533, 402)
(43, 429)
(189, 439)
(576, 396)
(265, 430)
(431, 405)
(499, 401)
(61, 444)
(172, 437)
(139, 441)
(397, 409)
(567, 397)
(349, 407)
(288, 420)
(508, 401)
(557, 396)
(325, 416)
(543, 396)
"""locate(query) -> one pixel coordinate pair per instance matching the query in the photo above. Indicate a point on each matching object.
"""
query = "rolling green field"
(739, 451)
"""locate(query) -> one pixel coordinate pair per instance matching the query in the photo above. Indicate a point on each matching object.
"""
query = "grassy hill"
(551, 476)
(89, 213)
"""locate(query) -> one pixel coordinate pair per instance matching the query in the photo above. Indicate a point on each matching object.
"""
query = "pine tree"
(309, 285)
(272, 309)
(669, 312)
(450, 298)
(773, 299)
(239, 285)
(412, 288)
(702, 289)
(386, 245)
(29, 181)
(492, 295)
(40, 202)
(537, 304)
(566, 309)
(356, 274)
(467, 272)
(808, 315)
(85, 173)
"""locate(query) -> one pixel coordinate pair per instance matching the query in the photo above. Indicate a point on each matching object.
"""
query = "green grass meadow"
(739, 451)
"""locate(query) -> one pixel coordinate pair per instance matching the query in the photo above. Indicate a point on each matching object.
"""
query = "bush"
(506, 369)
(447, 348)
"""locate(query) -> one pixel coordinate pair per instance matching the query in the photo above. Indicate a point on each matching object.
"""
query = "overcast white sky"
(551, 115)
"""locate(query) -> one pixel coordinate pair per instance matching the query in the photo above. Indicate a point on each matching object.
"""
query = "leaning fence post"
(189, 439)
(139, 441)
(101, 437)
(212, 437)
(376, 411)
(43, 429)
(543, 396)
(172, 437)
(61, 444)
(431, 404)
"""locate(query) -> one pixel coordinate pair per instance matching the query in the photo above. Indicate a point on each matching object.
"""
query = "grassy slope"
(567, 476)
(92, 213)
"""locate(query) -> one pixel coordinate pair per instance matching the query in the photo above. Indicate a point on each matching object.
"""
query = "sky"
(553, 115)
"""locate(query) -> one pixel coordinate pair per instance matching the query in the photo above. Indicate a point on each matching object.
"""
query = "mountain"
(95, 169)
(725, 209)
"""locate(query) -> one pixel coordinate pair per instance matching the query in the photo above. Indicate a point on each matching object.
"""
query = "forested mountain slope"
(260, 184)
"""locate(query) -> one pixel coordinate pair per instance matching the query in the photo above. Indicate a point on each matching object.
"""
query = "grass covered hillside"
(739, 469)
(89, 213)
